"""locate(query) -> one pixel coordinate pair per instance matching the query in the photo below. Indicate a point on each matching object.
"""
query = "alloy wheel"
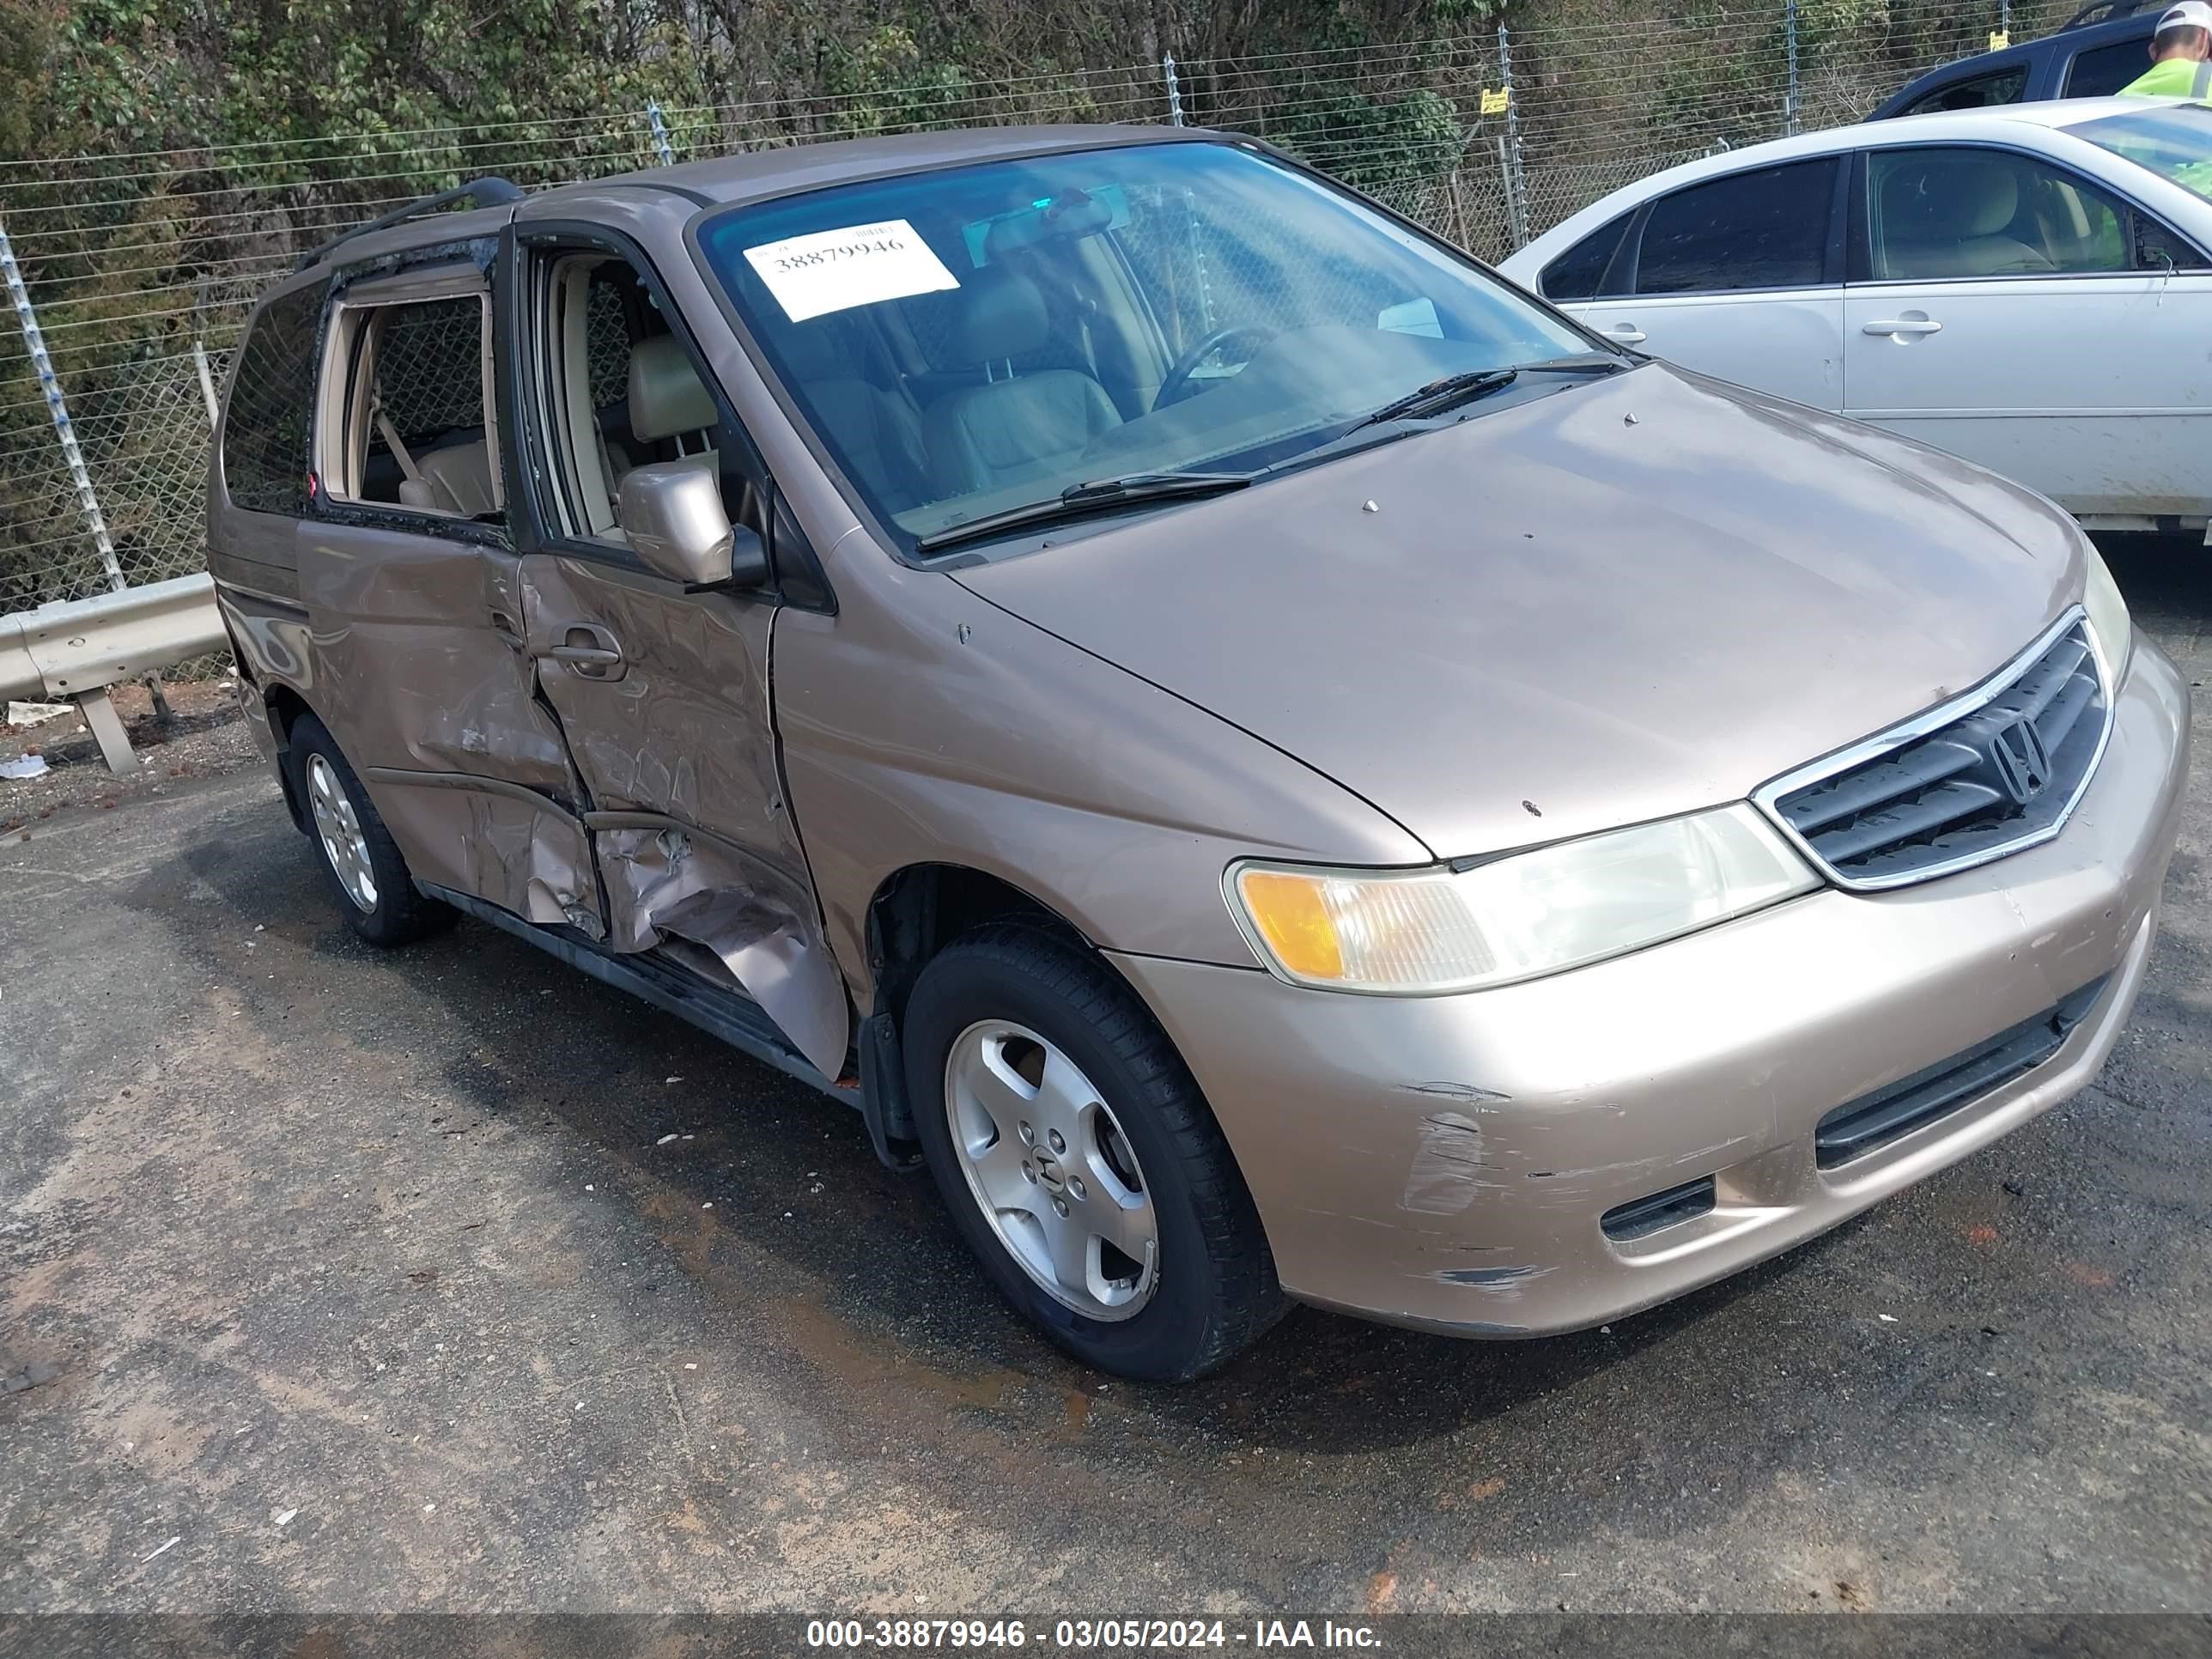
(1047, 1162)
(338, 826)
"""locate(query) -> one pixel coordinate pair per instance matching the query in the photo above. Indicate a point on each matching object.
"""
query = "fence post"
(1509, 148)
(661, 147)
(200, 357)
(98, 711)
(1789, 96)
(57, 407)
(1174, 90)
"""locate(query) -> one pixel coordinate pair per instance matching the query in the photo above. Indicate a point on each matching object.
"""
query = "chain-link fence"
(139, 268)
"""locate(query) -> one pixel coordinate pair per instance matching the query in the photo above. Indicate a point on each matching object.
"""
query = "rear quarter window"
(264, 433)
(1578, 273)
(2003, 86)
(2103, 71)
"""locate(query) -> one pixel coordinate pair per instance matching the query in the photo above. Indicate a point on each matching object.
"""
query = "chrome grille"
(1992, 772)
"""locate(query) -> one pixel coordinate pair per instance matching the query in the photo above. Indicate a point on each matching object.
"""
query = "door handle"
(1905, 326)
(1626, 333)
(589, 650)
(504, 625)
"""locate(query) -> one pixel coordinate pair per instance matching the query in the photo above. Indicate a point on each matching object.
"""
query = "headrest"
(1961, 196)
(1001, 315)
(665, 395)
(816, 351)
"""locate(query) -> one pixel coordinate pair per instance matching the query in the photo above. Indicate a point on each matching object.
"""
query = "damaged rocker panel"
(728, 915)
(728, 1015)
(515, 847)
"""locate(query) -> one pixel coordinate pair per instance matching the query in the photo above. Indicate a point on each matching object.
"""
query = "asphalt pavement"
(336, 1279)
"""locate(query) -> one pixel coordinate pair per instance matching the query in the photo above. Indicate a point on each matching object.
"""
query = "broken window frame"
(358, 315)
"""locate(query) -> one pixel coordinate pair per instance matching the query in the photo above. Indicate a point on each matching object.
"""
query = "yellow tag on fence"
(1494, 103)
(1999, 40)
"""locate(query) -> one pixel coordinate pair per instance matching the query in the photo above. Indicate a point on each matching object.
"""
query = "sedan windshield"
(2174, 141)
(978, 344)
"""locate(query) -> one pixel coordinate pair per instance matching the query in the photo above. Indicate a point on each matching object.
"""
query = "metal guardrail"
(76, 650)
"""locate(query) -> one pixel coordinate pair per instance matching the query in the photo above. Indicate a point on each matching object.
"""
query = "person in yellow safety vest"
(2181, 55)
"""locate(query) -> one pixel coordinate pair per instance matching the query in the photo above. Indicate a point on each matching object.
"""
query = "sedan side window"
(1580, 272)
(1935, 215)
(1767, 229)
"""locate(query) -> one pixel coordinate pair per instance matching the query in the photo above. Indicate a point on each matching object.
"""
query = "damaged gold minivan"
(1276, 765)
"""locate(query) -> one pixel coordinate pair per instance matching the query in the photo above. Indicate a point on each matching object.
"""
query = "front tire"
(1080, 1162)
(375, 891)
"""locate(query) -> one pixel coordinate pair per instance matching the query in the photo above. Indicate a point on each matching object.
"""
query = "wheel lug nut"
(1060, 1205)
(1077, 1187)
(1058, 1145)
(1029, 1170)
(1028, 1136)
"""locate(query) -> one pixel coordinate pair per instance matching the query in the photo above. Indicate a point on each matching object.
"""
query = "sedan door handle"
(590, 651)
(1905, 326)
(1626, 333)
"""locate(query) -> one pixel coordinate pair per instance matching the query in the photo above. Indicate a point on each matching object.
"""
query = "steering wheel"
(1178, 380)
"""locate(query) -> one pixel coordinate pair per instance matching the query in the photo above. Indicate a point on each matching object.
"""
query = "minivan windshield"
(980, 343)
(2174, 141)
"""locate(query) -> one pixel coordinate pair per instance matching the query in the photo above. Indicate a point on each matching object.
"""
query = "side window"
(265, 460)
(615, 390)
(1750, 230)
(2004, 86)
(1938, 213)
(412, 428)
(1578, 273)
(2104, 70)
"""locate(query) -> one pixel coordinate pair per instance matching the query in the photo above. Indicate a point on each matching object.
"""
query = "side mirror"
(674, 515)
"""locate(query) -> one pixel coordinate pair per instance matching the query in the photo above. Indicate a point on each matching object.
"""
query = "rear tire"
(375, 889)
(1061, 1126)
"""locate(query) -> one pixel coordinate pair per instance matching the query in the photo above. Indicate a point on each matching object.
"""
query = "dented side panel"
(432, 699)
(508, 845)
(676, 746)
(729, 917)
(411, 671)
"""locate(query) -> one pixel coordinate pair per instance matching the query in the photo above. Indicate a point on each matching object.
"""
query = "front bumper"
(1444, 1162)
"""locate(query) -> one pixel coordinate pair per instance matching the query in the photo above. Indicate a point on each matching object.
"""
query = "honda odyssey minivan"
(1274, 764)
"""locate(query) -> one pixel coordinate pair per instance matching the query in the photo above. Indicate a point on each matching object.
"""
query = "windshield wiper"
(1439, 396)
(1081, 499)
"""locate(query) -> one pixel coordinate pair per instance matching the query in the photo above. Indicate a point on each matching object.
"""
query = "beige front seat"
(1950, 217)
(456, 481)
(668, 401)
(1016, 425)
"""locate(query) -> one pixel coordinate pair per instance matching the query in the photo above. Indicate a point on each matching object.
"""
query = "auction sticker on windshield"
(828, 270)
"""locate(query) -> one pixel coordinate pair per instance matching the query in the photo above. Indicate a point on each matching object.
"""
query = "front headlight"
(1415, 933)
(2108, 617)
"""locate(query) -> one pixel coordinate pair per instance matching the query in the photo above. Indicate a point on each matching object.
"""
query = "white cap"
(2188, 15)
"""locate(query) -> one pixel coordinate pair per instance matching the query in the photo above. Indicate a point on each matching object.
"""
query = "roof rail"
(488, 191)
(2106, 11)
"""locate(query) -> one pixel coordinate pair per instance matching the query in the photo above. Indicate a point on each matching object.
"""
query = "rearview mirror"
(677, 525)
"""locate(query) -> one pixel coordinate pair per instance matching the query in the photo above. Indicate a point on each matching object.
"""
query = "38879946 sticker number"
(828, 270)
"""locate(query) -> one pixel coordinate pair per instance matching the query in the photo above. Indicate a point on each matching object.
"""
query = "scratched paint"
(1450, 1167)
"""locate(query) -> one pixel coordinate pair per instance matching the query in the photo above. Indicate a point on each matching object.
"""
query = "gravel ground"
(206, 737)
(372, 1281)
